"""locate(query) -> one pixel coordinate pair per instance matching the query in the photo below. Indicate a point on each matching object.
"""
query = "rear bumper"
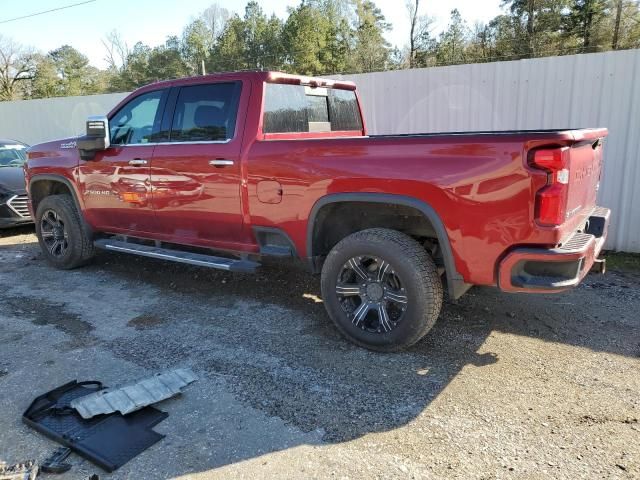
(539, 270)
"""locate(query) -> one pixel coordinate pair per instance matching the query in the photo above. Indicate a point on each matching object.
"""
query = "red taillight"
(551, 201)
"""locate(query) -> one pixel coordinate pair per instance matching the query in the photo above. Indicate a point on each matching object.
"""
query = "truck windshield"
(12, 155)
(296, 109)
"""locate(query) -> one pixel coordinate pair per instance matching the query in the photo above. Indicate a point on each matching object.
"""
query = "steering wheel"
(15, 163)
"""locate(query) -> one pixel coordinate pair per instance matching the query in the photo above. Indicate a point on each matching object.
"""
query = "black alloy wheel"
(54, 234)
(382, 289)
(371, 293)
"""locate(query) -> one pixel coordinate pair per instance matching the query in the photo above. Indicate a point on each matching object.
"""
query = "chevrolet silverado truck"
(223, 170)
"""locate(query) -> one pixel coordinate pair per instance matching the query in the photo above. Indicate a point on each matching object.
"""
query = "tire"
(411, 293)
(74, 247)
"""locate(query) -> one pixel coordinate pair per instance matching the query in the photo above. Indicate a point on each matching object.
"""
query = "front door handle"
(221, 163)
(137, 162)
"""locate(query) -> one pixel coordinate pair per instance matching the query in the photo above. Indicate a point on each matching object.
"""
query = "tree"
(16, 68)
(480, 48)
(261, 38)
(146, 64)
(629, 26)
(536, 25)
(337, 32)
(228, 53)
(65, 72)
(371, 51)
(197, 43)
(215, 18)
(420, 41)
(72, 70)
(273, 51)
(45, 82)
(117, 51)
(251, 42)
(585, 22)
(453, 41)
(616, 24)
(305, 38)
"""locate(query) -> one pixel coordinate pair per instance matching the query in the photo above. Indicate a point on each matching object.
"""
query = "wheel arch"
(455, 282)
(43, 185)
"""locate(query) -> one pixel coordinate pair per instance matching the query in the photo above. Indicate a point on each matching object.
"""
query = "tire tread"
(85, 249)
(425, 273)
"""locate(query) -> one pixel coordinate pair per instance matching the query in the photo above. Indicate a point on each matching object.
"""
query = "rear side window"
(206, 112)
(296, 109)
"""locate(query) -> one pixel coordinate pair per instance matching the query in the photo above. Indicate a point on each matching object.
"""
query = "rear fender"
(456, 285)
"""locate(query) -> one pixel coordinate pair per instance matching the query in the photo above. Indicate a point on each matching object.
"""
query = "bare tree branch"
(117, 51)
(16, 65)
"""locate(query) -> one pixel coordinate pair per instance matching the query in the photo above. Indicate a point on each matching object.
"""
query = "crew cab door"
(195, 176)
(116, 184)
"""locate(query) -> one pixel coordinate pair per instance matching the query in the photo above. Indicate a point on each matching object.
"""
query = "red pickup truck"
(225, 169)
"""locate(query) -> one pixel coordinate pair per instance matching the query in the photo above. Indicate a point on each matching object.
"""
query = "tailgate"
(585, 163)
(573, 168)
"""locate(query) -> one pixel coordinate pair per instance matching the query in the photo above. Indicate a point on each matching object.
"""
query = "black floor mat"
(109, 441)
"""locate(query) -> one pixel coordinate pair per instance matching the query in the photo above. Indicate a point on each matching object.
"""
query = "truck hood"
(54, 147)
(12, 179)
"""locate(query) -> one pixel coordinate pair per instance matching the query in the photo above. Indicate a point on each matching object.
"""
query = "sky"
(151, 21)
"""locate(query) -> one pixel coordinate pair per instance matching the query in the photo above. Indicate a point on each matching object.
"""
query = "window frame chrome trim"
(154, 144)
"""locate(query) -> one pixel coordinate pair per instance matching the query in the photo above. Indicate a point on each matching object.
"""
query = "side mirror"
(97, 137)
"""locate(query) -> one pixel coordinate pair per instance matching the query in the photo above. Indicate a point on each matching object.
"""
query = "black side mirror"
(97, 137)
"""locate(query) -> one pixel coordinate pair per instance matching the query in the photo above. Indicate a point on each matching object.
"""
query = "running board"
(221, 263)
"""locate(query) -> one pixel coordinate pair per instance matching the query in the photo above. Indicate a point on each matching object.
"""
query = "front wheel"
(63, 240)
(382, 289)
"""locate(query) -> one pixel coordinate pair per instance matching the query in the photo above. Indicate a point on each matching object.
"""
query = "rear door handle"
(221, 162)
(137, 162)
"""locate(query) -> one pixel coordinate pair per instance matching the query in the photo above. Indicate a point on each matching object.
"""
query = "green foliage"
(304, 37)
(197, 43)
(145, 65)
(323, 37)
(452, 44)
(622, 261)
(65, 72)
(250, 42)
(585, 25)
(371, 52)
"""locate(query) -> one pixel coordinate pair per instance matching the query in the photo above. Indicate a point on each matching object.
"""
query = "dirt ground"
(503, 387)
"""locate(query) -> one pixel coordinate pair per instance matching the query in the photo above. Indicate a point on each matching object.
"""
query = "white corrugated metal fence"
(593, 90)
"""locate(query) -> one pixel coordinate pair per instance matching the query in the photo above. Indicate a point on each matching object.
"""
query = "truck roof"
(261, 76)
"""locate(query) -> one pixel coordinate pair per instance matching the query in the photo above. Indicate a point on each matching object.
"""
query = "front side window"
(206, 113)
(298, 109)
(136, 122)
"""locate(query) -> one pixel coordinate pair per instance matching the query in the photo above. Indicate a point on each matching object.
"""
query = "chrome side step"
(210, 261)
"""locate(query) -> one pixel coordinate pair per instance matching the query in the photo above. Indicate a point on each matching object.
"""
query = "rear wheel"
(63, 240)
(382, 289)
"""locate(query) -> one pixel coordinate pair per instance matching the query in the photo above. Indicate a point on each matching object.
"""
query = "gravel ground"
(503, 387)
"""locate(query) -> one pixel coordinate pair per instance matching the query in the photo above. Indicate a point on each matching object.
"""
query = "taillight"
(551, 201)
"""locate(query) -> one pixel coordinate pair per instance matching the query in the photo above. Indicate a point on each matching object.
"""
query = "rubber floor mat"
(109, 441)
